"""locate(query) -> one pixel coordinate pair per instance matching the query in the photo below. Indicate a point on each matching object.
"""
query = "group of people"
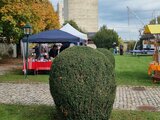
(41, 52)
(117, 49)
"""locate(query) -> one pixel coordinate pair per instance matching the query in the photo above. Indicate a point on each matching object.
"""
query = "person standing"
(121, 49)
(53, 52)
(37, 51)
(114, 48)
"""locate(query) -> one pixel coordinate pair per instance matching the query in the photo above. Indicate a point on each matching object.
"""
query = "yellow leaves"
(15, 14)
(22, 24)
(3, 10)
(48, 18)
(41, 14)
(7, 18)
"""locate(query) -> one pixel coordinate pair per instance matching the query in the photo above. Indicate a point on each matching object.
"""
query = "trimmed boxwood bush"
(108, 54)
(82, 84)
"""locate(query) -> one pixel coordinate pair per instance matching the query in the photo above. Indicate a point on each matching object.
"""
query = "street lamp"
(27, 31)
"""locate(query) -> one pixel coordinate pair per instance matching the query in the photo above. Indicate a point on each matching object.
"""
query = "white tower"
(60, 12)
(83, 12)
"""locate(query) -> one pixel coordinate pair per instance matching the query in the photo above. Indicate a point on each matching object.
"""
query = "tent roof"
(147, 37)
(69, 29)
(152, 29)
(52, 36)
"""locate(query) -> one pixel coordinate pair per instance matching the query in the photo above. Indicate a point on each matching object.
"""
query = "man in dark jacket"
(53, 52)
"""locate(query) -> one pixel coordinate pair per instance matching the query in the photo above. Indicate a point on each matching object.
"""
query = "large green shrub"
(82, 84)
(105, 38)
(108, 54)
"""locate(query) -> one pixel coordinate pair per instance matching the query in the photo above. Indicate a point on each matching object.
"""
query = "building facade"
(60, 12)
(83, 12)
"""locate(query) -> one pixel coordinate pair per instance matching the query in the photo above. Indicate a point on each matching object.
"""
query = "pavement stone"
(25, 94)
(126, 97)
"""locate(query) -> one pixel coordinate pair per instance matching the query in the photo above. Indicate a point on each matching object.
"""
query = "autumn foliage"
(14, 14)
(47, 18)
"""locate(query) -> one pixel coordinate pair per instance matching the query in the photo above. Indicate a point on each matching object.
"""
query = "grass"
(134, 115)
(34, 112)
(18, 76)
(133, 70)
(19, 112)
(130, 70)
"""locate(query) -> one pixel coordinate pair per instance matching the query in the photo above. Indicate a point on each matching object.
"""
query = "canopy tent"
(52, 36)
(147, 37)
(69, 29)
(152, 29)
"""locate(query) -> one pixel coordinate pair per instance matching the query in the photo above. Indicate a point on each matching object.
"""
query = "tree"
(47, 18)
(2, 3)
(105, 38)
(73, 24)
(120, 41)
(16, 13)
(153, 21)
(131, 44)
(12, 19)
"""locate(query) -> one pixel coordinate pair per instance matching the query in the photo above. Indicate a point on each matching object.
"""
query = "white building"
(60, 12)
(83, 12)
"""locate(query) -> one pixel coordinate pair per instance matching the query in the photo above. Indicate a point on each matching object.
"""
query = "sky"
(114, 14)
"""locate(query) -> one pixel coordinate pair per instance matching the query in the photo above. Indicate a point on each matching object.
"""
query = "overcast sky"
(113, 14)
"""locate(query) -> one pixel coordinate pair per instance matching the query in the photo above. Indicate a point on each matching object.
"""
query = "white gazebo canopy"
(69, 29)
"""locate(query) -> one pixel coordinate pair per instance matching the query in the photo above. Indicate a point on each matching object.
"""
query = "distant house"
(125, 46)
(90, 41)
(90, 34)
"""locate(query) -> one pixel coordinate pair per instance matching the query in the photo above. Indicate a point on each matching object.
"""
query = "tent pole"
(26, 58)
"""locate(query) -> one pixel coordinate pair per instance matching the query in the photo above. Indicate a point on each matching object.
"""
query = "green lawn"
(33, 112)
(133, 70)
(19, 112)
(18, 76)
(130, 70)
(134, 115)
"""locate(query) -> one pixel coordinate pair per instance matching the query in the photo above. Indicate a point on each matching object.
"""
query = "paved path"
(127, 97)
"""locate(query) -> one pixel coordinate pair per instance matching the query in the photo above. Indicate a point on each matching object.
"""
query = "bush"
(108, 54)
(111, 50)
(105, 38)
(82, 84)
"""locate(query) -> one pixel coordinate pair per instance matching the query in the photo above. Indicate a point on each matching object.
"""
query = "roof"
(152, 29)
(91, 34)
(52, 36)
(69, 29)
(147, 37)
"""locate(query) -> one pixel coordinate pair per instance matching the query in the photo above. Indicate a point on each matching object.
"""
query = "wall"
(60, 12)
(4, 49)
(83, 12)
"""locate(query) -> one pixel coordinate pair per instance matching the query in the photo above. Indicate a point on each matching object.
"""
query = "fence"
(8, 49)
